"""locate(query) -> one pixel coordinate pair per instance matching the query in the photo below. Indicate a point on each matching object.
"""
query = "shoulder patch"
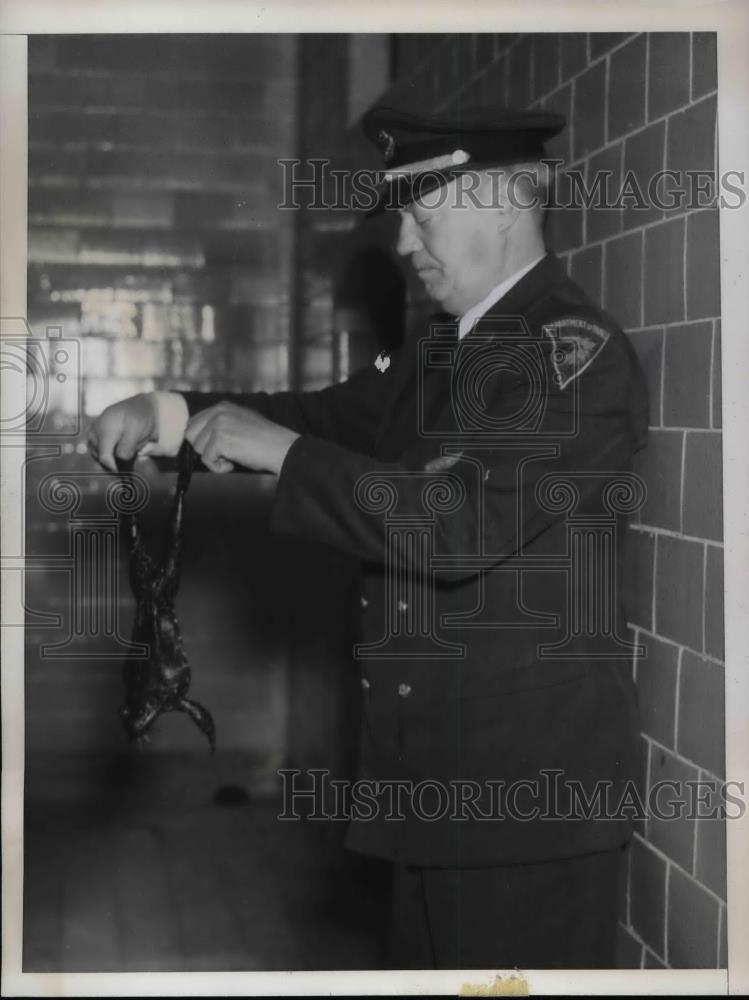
(382, 362)
(575, 343)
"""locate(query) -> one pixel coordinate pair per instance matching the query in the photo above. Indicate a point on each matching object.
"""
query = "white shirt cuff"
(172, 416)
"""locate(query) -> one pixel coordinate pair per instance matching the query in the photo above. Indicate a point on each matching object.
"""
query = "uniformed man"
(481, 475)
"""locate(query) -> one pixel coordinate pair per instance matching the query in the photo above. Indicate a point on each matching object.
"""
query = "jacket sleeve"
(323, 487)
(347, 414)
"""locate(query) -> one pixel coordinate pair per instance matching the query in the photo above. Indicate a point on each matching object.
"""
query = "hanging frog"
(159, 681)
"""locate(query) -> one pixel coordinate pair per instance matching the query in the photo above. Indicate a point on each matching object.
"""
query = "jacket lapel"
(396, 434)
(405, 379)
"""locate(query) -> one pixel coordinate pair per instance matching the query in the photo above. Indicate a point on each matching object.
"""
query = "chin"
(437, 294)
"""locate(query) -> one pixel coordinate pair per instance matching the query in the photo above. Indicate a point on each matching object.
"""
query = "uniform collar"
(468, 321)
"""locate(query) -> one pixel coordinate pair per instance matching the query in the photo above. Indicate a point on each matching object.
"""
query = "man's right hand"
(123, 429)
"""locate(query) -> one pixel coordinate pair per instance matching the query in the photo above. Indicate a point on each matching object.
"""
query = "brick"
(627, 74)
(560, 147)
(648, 345)
(623, 279)
(125, 91)
(686, 386)
(670, 826)
(637, 578)
(62, 91)
(214, 132)
(703, 264)
(590, 110)
(664, 273)
(54, 246)
(717, 398)
(55, 164)
(704, 63)
(703, 486)
(123, 246)
(574, 53)
(565, 228)
(65, 207)
(668, 71)
(628, 949)
(603, 182)
(710, 866)
(154, 209)
(587, 270)
(643, 160)
(656, 690)
(177, 54)
(604, 41)
(692, 924)
(211, 172)
(52, 128)
(546, 63)
(714, 609)
(648, 895)
(206, 210)
(701, 731)
(212, 94)
(660, 466)
(678, 590)
(691, 147)
(520, 74)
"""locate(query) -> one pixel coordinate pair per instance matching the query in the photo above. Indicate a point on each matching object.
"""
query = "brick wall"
(155, 241)
(637, 104)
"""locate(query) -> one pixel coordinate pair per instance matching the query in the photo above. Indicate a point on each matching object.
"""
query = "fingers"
(108, 429)
(197, 423)
(129, 442)
(121, 430)
(217, 464)
(204, 434)
(208, 445)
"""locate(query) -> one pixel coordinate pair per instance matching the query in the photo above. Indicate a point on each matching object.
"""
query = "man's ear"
(494, 195)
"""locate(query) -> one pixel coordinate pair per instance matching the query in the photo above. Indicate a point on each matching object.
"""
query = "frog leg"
(201, 717)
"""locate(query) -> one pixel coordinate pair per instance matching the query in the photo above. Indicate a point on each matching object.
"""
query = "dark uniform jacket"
(483, 484)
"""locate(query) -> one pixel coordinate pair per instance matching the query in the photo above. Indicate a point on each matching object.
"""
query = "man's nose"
(408, 236)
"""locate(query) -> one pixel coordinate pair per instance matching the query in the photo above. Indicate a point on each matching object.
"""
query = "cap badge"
(387, 142)
(382, 362)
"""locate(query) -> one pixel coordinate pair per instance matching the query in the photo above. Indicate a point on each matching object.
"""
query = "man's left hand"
(227, 435)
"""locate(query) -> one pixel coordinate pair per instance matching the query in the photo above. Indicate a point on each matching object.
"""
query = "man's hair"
(529, 184)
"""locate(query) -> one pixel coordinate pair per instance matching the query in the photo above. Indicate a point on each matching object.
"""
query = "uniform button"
(402, 606)
(365, 684)
(404, 690)
(363, 600)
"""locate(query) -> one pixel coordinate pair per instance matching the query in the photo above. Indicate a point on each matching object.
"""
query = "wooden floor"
(195, 886)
